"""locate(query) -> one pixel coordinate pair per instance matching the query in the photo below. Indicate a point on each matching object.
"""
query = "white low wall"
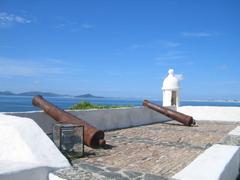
(219, 162)
(106, 119)
(212, 113)
(26, 152)
(110, 119)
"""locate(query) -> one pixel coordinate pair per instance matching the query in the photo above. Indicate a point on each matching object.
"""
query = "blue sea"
(24, 103)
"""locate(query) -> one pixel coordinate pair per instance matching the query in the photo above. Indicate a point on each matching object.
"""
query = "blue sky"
(121, 48)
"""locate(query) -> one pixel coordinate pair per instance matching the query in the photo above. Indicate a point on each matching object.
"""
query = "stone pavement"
(88, 171)
(156, 151)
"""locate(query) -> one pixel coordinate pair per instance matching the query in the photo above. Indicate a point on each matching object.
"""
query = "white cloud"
(7, 20)
(18, 67)
(223, 67)
(5, 46)
(70, 25)
(231, 82)
(179, 76)
(171, 55)
(170, 44)
(136, 46)
(87, 26)
(155, 44)
(60, 26)
(172, 58)
(197, 34)
(56, 61)
(77, 27)
(119, 74)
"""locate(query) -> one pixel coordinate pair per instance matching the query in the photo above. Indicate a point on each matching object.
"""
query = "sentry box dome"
(171, 89)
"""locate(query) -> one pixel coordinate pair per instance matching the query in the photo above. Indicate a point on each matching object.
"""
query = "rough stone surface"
(85, 170)
(231, 140)
(156, 151)
(132, 174)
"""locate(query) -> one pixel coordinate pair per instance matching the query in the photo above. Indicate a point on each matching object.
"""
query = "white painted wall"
(26, 152)
(110, 119)
(41, 118)
(52, 176)
(106, 119)
(212, 113)
(219, 162)
(167, 96)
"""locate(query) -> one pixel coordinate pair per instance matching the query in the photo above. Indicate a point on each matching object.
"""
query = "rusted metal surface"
(180, 117)
(92, 136)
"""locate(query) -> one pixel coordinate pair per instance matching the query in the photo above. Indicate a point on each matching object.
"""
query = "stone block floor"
(156, 151)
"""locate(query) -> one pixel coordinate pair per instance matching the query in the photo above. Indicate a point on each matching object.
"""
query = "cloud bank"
(8, 20)
(25, 68)
(196, 34)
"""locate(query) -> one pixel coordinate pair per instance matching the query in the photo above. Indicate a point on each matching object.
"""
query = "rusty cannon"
(92, 136)
(180, 117)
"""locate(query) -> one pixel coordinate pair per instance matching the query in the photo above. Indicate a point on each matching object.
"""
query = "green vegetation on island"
(88, 105)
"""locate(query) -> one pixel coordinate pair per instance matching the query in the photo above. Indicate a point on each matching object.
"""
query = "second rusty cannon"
(92, 136)
(180, 117)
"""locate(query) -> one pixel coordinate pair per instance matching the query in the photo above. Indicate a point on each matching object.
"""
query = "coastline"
(24, 103)
(213, 100)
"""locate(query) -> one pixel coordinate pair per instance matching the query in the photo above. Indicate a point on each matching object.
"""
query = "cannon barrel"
(92, 136)
(180, 117)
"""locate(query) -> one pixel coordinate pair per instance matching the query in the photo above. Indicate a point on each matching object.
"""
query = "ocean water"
(24, 103)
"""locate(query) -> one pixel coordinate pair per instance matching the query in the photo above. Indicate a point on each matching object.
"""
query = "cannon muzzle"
(180, 117)
(92, 136)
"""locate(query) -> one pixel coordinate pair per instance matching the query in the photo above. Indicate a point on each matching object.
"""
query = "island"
(88, 96)
(46, 94)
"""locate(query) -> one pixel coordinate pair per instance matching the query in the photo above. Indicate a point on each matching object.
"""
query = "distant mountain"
(35, 93)
(6, 93)
(46, 94)
(31, 93)
(88, 96)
